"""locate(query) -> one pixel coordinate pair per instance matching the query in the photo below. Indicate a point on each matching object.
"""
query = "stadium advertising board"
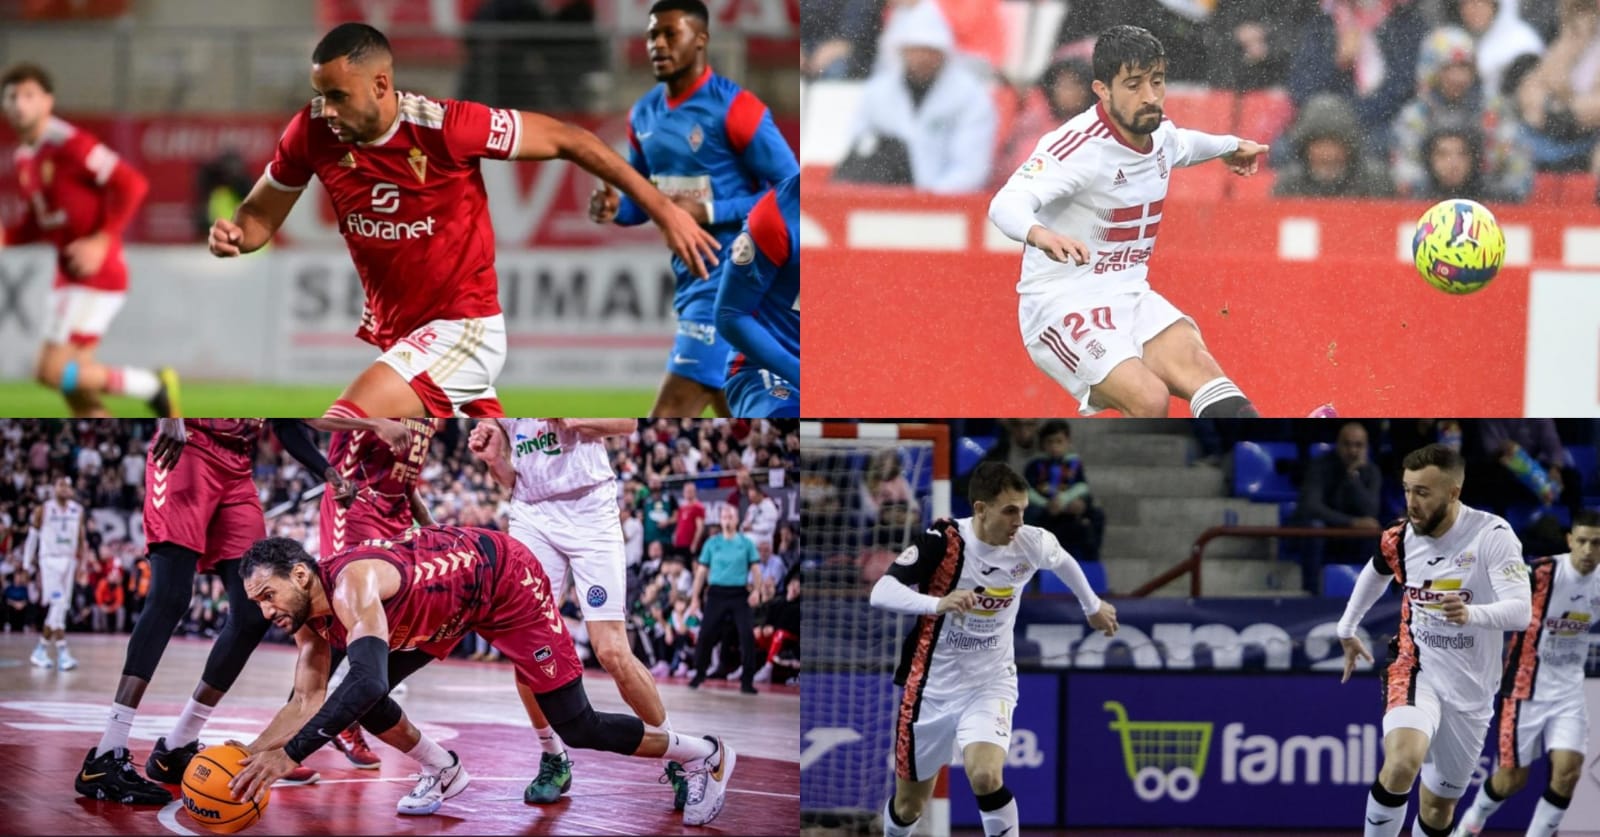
(843, 733)
(1232, 751)
(1182, 634)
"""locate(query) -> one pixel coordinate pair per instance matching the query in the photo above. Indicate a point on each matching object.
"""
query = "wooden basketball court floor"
(49, 719)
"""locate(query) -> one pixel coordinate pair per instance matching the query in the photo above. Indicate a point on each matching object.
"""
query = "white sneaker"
(735, 674)
(434, 788)
(764, 674)
(41, 657)
(65, 660)
(708, 785)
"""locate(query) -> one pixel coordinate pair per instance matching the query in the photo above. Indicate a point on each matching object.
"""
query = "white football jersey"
(1479, 559)
(1545, 662)
(973, 648)
(1093, 187)
(551, 460)
(58, 538)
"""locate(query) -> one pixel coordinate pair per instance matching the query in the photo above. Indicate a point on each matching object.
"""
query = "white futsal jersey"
(58, 538)
(1545, 662)
(948, 654)
(1090, 185)
(551, 461)
(1479, 559)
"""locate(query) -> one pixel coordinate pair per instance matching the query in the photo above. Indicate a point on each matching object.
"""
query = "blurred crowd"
(674, 478)
(1366, 98)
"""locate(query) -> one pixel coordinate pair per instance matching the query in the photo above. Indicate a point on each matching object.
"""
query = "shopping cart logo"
(1163, 758)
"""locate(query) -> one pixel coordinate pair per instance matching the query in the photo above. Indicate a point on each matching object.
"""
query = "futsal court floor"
(49, 719)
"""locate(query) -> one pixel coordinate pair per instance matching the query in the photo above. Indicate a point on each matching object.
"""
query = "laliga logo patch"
(744, 250)
(597, 596)
(1032, 167)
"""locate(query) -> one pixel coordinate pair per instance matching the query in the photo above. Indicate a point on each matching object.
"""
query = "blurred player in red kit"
(403, 175)
(80, 196)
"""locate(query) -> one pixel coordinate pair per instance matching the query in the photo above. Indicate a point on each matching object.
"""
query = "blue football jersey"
(758, 298)
(716, 144)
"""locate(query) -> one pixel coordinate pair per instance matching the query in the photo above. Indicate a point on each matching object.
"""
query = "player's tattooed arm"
(488, 443)
(169, 443)
(599, 428)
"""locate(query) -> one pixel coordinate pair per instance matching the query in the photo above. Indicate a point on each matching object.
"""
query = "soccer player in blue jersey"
(713, 148)
(758, 308)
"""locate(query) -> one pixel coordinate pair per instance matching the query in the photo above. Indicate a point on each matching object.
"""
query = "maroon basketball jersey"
(229, 443)
(364, 458)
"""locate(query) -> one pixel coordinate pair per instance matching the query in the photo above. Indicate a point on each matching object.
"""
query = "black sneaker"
(694, 682)
(680, 786)
(166, 765)
(111, 777)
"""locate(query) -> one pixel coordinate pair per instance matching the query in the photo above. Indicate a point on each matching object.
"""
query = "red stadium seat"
(1547, 188)
(1264, 115)
(1201, 109)
(1256, 187)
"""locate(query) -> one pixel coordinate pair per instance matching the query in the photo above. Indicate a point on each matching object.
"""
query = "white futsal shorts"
(579, 534)
(946, 726)
(1530, 728)
(55, 585)
(1090, 338)
(1455, 739)
(452, 365)
(80, 316)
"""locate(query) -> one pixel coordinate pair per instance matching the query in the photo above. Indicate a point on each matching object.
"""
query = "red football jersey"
(63, 179)
(411, 206)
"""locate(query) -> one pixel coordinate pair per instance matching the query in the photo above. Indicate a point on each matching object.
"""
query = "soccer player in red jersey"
(80, 196)
(403, 174)
(398, 605)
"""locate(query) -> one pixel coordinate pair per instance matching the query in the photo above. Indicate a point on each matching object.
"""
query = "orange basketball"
(206, 797)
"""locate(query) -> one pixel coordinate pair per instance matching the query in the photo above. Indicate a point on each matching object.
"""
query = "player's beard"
(1430, 524)
(679, 69)
(1136, 124)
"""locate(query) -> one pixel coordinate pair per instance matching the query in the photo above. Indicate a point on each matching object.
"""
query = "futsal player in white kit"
(1463, 586)
(964, 578)
(1542, 707)
(564, 509)
(57, 538)
(1087, 204)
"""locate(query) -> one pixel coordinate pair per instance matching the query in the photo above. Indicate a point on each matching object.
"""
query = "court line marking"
(168, 817)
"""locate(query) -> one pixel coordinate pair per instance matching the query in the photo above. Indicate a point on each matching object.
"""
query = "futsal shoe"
(708, 785)
(433, 788)
(554, 779)
(680, 785)
(41, 657)
(65, 661)
(110, 776)
(353, 744)
(167, 765)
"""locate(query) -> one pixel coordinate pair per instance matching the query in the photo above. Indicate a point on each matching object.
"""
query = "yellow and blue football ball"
(1458, 246)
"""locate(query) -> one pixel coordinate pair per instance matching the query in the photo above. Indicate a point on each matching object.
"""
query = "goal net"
(865, 490)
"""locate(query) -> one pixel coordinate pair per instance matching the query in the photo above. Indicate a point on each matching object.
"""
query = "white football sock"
(686, 748)
(549, 741)
(1547, 816)
(118, 727)
(1383, 821)
(429, 754)
(892, 828)
(194, 717)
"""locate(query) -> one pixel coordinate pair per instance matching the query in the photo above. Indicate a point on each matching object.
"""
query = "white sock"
(1383, 821)
(1211, 392)
(429, 754)
(1002, 820)
(1546, 817)
(686, 748)
(666, 724)
(194, 717)
(890, 827)
(1477, 814)
(549, 741)
(135, 383)
(118, 727)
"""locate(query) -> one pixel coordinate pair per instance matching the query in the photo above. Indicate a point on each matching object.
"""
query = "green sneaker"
(554, 779)
(680, 785)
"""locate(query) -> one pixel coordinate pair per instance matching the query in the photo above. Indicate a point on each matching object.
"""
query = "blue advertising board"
(1235, 751)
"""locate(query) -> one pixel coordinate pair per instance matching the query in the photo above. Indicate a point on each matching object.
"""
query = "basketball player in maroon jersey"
(396, 606)
(201, 512)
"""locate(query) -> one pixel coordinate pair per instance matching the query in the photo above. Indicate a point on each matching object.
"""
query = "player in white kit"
(1541, 692)
(57, 538)
(1464, 585)
(564, 509)
(1088, 204)
(964, 578)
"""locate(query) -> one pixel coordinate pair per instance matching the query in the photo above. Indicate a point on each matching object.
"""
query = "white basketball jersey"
(59, 536)
(1479, 559)
(1095, 188)
(1565, 606)
(551, 460)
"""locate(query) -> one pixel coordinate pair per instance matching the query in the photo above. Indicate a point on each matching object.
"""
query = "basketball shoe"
(110, 776)
(166, 764)
(353, 744)
(434, 787)
(554, 779)
(708, 784)
(680, 786)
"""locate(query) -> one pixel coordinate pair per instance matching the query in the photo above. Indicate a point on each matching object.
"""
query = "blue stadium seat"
(1523, 515)
(1587, 464)
(1259, 471)
(1318, 449)
(970, 451)
(1095, 571)
(1339, 580)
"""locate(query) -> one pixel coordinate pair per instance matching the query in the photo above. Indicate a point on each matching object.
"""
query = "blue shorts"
(757, 393)
(698, 352)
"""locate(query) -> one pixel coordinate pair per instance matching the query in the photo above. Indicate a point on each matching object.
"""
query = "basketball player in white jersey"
(1542, 706)
(1087, 204)
(963, 578)
(57, 538)
(564, 509)
(1463, 586)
